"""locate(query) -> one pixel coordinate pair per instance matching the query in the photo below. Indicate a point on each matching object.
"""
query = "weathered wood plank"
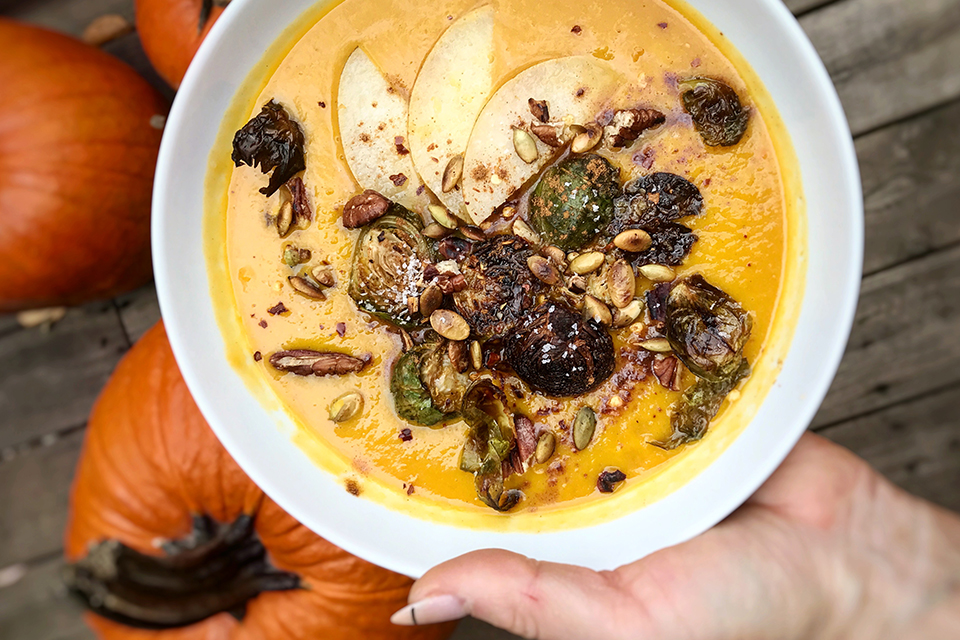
(139, 311)
(38, 607)
(69, 17)
(34, 494)
(905, 341)
(911, 189)
(803, 6)
(916, 445)
(472, 629)
(49, 380)
(888, 58)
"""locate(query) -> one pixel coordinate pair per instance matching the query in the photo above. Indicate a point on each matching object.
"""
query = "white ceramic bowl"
(767, 35)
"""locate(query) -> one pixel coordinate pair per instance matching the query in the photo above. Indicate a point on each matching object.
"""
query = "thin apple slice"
(373, 131)
(453, 85)
(576, 89)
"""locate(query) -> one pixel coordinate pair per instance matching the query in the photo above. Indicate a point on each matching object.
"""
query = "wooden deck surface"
(895, 400)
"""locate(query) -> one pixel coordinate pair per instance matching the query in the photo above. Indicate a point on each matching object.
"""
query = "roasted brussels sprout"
(699, 404)
(706, 328)
(411, 397)
(271, 141)
(716, 111)
(489, 441)
(671, 245)
(574, 200)
(388, 264)
(652, 200)
(558, 353)
(499, 286)
(439, 375)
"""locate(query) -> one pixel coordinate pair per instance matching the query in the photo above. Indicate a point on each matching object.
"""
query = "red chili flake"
(421, 189)
(576, 29)
(278, 309)
(410, 489)
(398, 179)
(263, 323)
(341, 329)
(662, 25)
(695, 63)
(580, 92)
(406, 434)
(398, 142)
(609, 480)
(645, 157)
(707, 182)
(257, 356)
(323, 105)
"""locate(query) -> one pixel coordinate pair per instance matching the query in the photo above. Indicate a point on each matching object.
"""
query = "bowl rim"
(178, 291)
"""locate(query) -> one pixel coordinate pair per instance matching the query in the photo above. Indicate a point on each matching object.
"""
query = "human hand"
(826, 548)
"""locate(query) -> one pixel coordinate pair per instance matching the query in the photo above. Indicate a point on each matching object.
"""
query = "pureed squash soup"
(508, 261)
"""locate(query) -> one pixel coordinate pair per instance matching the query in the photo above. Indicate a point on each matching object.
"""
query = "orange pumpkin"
(152, 470)
(78, 148)
(171, 32)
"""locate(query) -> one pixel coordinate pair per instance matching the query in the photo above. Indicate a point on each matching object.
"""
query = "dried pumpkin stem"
(217, 568)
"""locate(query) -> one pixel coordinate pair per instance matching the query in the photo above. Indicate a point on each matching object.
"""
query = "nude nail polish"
(430, 611)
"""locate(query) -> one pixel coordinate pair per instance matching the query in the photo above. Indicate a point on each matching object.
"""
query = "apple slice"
(453, 85)
(576, 89)
(373, 131)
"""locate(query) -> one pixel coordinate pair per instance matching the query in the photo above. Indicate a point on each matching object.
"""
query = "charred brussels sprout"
(706, 328)
(439, 375)
(499, 286)
(699, 404)
(574, 200)
(653, 200)
(489, 442)
(271, 141)
(388, 264)
(410, 396)
(671, 245)
(558, 353)
(716, 111)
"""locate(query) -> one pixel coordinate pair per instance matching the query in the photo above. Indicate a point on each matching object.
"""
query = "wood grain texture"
(911, 188)
(49, 380)
(38, 607)
(139, 311)
(915, 444)
(905, 340)
(34, 494)
(888, 58)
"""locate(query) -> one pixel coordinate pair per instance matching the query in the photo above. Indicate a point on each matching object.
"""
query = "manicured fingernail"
(430, 611)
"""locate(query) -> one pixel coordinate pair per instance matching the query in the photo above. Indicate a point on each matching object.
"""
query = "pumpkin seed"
(593, 309)
(285, 218)
(657, 273)
(430, 300)
(306, 287)
(525, 146)
(346, 406)
(407, 340)
(584, 427)
(442, 216)
(541, 268)
(621, 283)
(452, 174)
(435, 231)
(323, 275)
(546, 444)
(523, 230)
(657, 345)
(449, 324)
(586, 263)
(556, 254)
(473, 232)
(476, 355)
(627, 315)
(586, 139)
(633, 240)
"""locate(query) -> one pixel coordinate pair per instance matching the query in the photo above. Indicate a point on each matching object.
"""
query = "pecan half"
(628, 124)
(298, 198)
(548, 134)
(306, 362)
(364, 208)
(526, 437)
(667, 371)
(539, 109)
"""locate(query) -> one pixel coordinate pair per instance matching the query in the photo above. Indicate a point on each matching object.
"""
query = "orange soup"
(503, 259)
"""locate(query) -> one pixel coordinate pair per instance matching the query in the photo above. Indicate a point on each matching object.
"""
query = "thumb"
(532, 599)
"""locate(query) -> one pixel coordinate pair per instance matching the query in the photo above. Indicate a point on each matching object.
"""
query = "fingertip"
(431, 610)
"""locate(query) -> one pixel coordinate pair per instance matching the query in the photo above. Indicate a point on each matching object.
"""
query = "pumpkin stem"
(213, 569)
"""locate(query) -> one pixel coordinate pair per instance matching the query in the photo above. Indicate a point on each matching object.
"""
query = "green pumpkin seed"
(346, 406)
(525, 146)
(657, 273)
(442, 216)
(584, 426)
(546, 444)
